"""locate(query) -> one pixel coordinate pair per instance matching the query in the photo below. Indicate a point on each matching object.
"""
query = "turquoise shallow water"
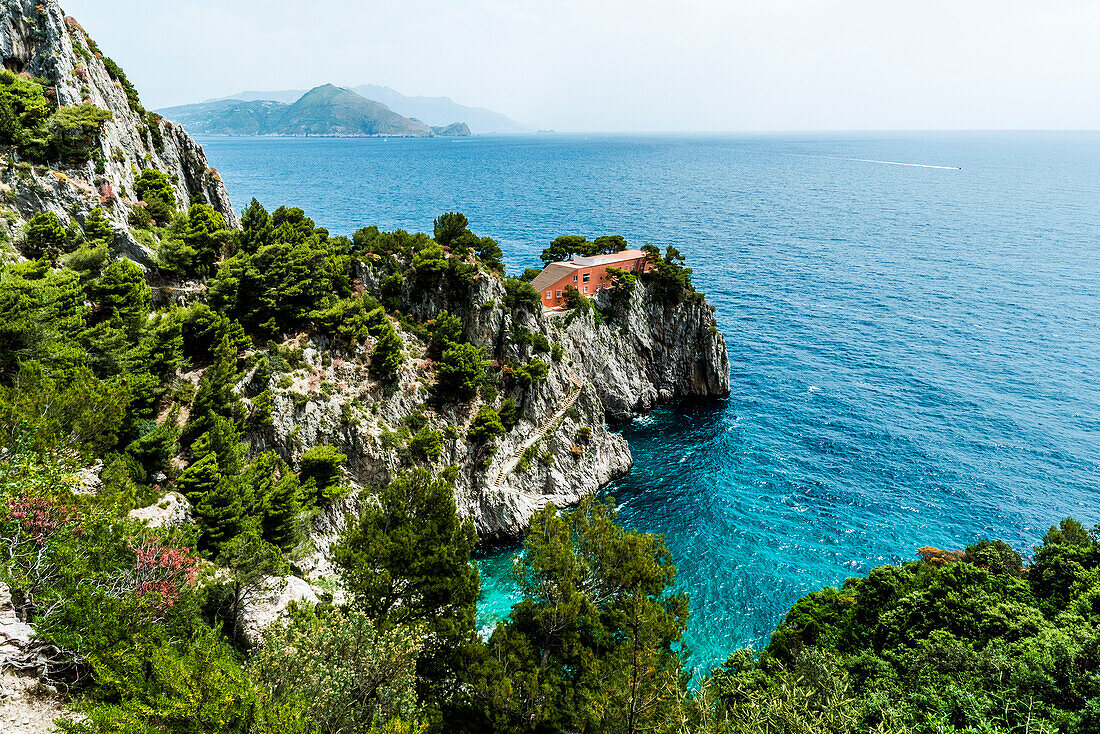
(915, 351)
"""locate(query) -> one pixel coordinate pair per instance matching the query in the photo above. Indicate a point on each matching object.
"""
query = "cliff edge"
(38, 42)
(600, 366)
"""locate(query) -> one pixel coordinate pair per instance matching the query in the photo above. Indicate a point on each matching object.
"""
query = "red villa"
(586, 274)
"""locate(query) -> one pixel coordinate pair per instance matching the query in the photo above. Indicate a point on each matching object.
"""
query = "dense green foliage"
(486, 425)
(451, 231)
(969, 641)
(594, 644)
(520, 294)
(565, 247)
(40, 130)
(461, 371)
(407, 561)
(668, 274)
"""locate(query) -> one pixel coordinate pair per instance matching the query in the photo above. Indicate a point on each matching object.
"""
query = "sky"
(636, 65)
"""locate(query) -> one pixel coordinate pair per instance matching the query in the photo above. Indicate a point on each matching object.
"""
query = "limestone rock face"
(28, 704)
(269, 606)
(559, 451)
(170, 510)
(36, 38)
(650, 353)
(15, 636)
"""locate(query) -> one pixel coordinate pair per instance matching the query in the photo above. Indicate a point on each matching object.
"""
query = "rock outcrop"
(560, 450)
(28, 704)
(651, 353)
(270, 602)
(37, 39)
(169, 511)
(16, 637)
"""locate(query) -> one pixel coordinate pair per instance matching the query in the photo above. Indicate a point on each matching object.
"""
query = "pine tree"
(282, 510)
(215, 395)
(123, 296)
(322, 464)
(387, 356)
(224, 441)
(408, 560)
(200, 478)
(256, 228)
(44, 236)
(97, 228)
(204, 234)
(595, 643)
(220, 515)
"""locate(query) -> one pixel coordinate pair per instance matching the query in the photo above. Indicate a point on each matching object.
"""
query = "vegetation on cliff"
(39, 129)
(96, 366)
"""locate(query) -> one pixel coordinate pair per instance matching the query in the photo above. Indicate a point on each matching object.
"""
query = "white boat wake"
(874, 160)
(898, 163)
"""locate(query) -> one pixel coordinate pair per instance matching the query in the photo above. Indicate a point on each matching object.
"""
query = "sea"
(913, 323)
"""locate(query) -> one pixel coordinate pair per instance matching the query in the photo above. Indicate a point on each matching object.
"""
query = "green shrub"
(152, 187)
(534, 371)
(140, 216)
(387, 355)
(461, 370)
(520, 294)
(24, 111)
(510, 413)
(485, 426)
(668, 274)
(426, 444)
(74, 132)
(154, 121)
(340, 672)
(321, 465)
(44, 237)
(446, 330)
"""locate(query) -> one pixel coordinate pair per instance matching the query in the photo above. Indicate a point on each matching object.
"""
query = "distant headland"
(329, 110)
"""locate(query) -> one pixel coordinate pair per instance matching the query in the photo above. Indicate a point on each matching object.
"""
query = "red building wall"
(554, 296)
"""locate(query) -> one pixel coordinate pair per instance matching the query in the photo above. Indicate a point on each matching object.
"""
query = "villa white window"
(586, 277)
(586, 289)
(559, 294)
(548, 294)
(574, 279)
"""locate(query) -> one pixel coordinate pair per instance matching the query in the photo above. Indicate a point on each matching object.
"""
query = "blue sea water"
(915, 350)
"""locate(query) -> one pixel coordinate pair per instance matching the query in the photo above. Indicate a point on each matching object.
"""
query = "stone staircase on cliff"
(506, 468)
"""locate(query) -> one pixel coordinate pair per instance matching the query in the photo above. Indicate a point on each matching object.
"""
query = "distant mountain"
(286, 96)
(441, 111)
(434, 111)
(324, 110)
(227, 117)
(454, 130)
(330, 110)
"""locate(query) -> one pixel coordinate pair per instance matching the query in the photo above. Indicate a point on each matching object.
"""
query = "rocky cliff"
(38, 40)
(606, 368)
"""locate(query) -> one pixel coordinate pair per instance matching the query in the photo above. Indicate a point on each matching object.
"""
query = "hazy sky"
(636, 65)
